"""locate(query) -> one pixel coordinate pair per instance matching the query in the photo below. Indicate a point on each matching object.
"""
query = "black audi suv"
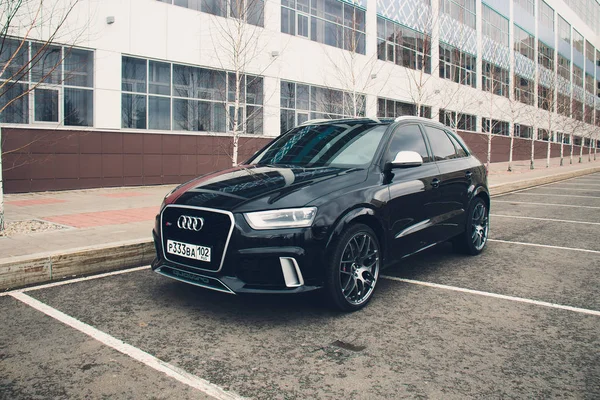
(327, 206)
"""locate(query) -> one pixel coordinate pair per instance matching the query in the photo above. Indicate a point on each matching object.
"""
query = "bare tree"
(238, 43)
(353, 71)
(27, 64)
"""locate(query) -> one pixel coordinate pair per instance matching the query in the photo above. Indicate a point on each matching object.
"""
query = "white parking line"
(559, 195)
(74, 280)
(547, 246)
(127, 349)
(545, 219)
(494, 295)
(543, 204)
(580, 184)
(561, 189)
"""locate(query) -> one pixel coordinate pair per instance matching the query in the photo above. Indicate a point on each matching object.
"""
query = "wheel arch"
(363, 215)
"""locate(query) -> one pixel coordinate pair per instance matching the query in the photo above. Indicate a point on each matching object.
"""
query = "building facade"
(149, 91)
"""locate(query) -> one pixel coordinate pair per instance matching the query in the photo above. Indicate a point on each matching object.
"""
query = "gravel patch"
(29, 226)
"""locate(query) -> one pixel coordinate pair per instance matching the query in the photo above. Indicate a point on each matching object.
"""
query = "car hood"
(251, 188)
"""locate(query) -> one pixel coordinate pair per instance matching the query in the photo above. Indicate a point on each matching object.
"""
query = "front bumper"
(269, 261)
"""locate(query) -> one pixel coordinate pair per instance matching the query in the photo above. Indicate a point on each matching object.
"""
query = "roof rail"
(315, 121)
(403, 117)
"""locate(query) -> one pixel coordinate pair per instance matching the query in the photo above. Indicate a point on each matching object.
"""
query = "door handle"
(435, 183)
(468, 174)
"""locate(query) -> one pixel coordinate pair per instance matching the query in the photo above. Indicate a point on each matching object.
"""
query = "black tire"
(475, 236)
(352, 271)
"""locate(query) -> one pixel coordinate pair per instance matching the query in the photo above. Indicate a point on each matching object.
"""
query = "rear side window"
(460, 150)
(408, 138)
(441, 146)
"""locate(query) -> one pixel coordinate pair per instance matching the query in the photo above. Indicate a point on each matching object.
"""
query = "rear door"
(455, 179)
(413, 196)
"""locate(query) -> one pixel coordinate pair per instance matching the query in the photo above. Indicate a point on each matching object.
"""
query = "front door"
(413, 194)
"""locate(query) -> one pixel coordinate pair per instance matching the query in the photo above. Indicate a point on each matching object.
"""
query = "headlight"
(279, 219)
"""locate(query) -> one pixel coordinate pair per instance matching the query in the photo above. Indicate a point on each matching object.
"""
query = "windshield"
(339, 145)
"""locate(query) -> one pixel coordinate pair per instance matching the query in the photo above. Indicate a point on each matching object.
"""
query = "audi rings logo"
(190, 223)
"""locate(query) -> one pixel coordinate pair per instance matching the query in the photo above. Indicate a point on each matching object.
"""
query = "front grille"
(215, 233)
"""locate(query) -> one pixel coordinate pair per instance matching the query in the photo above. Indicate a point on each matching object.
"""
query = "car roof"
(383, 121)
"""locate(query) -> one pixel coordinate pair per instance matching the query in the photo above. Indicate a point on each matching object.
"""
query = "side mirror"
(407, 159)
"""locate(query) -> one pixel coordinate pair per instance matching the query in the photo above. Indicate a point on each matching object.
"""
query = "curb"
(39, 268)
(22, 271)
(503, 188)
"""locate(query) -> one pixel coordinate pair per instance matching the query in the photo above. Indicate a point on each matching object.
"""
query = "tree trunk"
(581, 146)
(489, 149)
(1, 187)
(595, 149)
(532, 160)
(510, 150)
(562, 149)
(590, 151)
(548, 151)
(571, 156)
(236, 118)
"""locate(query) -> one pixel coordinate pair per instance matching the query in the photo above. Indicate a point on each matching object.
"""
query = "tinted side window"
(441, 146)
(408, 138)
(460, 150)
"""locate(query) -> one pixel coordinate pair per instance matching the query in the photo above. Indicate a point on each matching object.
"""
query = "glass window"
(14, 55)
(545, 56)
(496, 127)
(14, 103)
(527, 5)
(46, 63)
(564, 30)
(251, 11)
(51, 73)
(495, 26)
(133, 109)
(403, 46)
(407, 138)
(79, 107)
(460, 150)
(461, 10)
(344, 145)
(331, 22)
(578, 42)
(464, 122)
(524, 43)
(457, 66)
(159, 78)
(134, 75)
(495, 79)
(159, 113)
(589, 51)
(441, 146)
(546, 16)
(46, 105)
(79, 68)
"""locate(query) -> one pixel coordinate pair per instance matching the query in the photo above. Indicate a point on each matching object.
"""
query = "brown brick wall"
(477, 142)
(38, 160)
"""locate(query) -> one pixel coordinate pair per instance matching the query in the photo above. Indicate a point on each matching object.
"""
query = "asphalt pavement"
(522, 320)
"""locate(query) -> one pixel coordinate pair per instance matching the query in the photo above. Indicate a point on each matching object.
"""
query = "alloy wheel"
(479, 226)
(359, 268)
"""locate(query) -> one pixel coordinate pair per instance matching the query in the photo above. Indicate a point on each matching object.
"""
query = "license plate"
(187, 250)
